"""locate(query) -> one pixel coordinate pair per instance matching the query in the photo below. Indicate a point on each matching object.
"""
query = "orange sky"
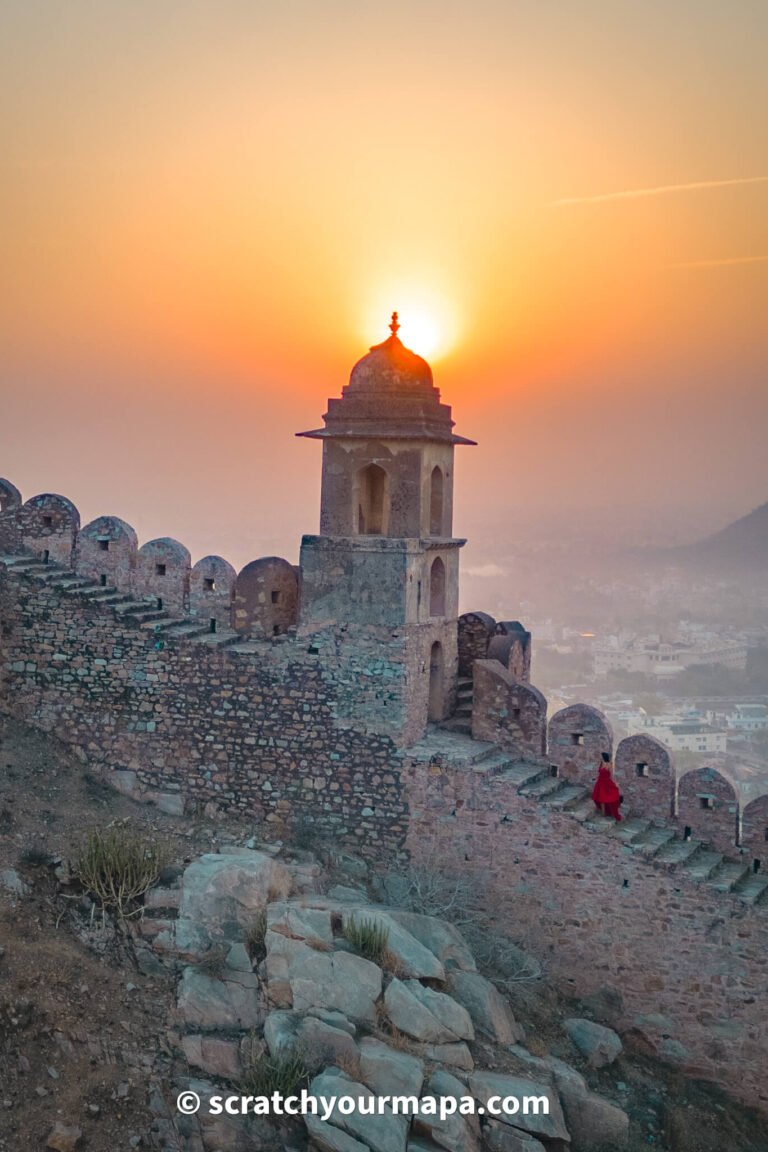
(209, 210)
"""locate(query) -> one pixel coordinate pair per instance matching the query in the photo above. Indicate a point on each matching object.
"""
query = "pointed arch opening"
(372, 517)
(436, 707)
(437, 588)
(436, 489)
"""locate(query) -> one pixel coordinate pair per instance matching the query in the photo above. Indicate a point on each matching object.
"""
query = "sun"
(425, 321)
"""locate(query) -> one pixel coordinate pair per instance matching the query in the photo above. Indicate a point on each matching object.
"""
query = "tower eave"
(384, 434)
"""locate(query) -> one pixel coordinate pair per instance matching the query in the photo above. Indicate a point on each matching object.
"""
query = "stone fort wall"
(288, 727)
(690, 964)
(271, 729)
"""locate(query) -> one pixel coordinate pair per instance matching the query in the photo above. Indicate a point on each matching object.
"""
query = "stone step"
(677, 852)
(99, 592)
(651, 841)
(463, 709)
(36, 567)
(703, 865)
(584, 809)
(220, 639)
(543, 786)
(113, 597)
(630, 829)
(68, 582)
(458, 724)
(465, 691)
(753, 889)
(496, 761)
(464, 681)
(12, 560)
(525, 773)
(728, 875)
(566, 796)
(145, 615)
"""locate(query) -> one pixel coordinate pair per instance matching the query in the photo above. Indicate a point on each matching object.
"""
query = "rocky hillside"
(255, 966)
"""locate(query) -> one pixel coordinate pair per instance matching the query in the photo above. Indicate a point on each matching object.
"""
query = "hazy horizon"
(210, 210)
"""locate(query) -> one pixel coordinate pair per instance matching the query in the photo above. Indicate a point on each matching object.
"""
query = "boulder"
(224, 1133)
(536, 1118)
(64, 1137)
(594, 1122)
(209, 1004)
(319, 1044)
(456, 1055)
(293, 919)
(13, 883)
(302, 978)
(412, 958)
(604, 1005)
(490, 1012)
(212, 1055)
(184, 939)
(331, 1139)
(501, 1138)
(430, 1016)
(440, 937)
(381, 1131)
(453, 1132)
(223, 892)
(388, 1072)
(598, 1044)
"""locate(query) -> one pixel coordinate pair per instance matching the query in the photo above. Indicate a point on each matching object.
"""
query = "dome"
(390, 366)
(390, 395)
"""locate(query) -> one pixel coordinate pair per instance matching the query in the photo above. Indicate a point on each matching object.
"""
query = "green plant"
(367, 937)
(118, 867)
(264, 1075)
(256, 936)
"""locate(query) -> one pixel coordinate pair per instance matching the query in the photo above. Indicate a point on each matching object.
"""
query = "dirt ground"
(80, 1027)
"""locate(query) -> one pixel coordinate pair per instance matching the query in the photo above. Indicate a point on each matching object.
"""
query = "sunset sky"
(208, 211)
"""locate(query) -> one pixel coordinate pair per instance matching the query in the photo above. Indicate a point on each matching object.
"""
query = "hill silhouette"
(742, 544)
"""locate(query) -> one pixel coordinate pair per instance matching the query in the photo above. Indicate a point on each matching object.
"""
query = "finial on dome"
(394, 326)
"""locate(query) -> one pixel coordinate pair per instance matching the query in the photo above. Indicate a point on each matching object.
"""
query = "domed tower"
(386, 557)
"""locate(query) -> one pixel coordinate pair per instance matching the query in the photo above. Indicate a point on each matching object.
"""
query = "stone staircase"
(657, 843)
(142, 613)
(461, 720)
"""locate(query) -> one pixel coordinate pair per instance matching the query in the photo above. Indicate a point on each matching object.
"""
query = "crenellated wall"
(267, 729)
(690, 963)
(262, 600)
(285, 725)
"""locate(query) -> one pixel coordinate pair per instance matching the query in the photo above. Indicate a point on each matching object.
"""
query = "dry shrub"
(118, 867)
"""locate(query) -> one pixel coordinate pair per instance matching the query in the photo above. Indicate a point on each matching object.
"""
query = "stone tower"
(386, 558)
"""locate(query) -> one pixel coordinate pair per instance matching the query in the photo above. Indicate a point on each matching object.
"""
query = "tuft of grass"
(368, 938)
(256, 936)
(264, 1075)
(117, 868)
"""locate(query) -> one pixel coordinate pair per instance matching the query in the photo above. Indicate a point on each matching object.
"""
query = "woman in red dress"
(605, 793)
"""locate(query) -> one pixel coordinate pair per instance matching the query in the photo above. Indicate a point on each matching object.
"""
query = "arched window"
(437, 588)
(436, 503)
(372, 501)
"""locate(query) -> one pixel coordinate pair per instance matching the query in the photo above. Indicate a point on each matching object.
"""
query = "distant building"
(749, 718)
(657, 658)
(683, 735)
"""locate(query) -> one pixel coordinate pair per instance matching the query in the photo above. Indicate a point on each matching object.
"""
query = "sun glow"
(426, 326)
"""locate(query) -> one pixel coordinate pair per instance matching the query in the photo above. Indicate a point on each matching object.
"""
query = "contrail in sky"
(661, 190)
(720, 263)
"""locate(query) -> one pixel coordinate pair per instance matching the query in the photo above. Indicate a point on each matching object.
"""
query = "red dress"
(606, 794)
